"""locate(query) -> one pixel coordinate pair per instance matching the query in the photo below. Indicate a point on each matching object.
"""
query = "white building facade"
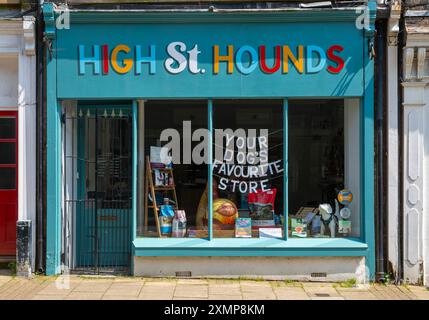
(17, 131)
(408, 142)
(416, 148)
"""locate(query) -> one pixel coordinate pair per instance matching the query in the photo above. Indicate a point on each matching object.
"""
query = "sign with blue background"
(199, 60)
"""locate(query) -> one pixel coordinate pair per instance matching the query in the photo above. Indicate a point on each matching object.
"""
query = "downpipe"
(380, 92)
(40, 244)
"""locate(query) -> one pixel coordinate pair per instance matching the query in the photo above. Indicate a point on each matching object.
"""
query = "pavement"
(75, 287)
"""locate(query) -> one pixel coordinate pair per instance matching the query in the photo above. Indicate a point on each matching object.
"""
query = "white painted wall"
(416, 158)
(414, 200)
(294, 268)
(27, 128)
(393, 155)
(18, 92)
(9, 82)
(425, 222)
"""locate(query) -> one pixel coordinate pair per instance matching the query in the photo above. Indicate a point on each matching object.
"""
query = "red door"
(8, 181)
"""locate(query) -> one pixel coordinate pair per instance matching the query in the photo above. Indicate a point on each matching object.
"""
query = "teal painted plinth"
(249, 247)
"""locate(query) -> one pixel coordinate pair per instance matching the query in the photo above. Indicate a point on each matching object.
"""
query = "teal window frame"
(310, 247)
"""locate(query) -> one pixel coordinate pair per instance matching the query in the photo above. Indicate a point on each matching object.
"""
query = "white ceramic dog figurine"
(329, 218)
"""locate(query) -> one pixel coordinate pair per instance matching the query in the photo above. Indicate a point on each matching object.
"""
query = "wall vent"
(318, 275)
(183, 274)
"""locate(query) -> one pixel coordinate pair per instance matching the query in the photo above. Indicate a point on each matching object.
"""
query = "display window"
(323, 157)
(172, 171)
(249, 168)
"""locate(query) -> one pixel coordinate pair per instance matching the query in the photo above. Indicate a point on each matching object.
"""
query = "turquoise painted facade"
(161, 84)
(77, 69)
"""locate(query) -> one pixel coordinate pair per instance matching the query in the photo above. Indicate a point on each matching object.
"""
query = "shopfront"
(210, 143)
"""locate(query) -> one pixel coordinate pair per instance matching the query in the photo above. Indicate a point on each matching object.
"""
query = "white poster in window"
(159, 155)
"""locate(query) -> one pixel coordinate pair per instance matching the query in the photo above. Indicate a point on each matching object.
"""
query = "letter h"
(148, 59)
(95, 59)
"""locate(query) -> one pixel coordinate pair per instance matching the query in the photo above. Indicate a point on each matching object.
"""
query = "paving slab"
(17, 287)
(225, 288)
(119, 297)
(92, 286)
(135, 291)
(128, 279)
(169, 291)
(259, 297)
(127, 284)
(402, 295)
(12, 285)
(158, 288)
(327, 298)
(257, 284)
(53, 290)
(293, 284)
(157, 279)
(192, 281)
(290, 293)
(265, 294)
(84, 296)
(47, 297)
(160, 284)
(321, 291)
(30, 290)
(225, 297)
(264, 288)
(318, 284)
(358, 295)
(4, 280)
(408, 292)
(74, 287)
(188, 298)
(191, 291)
(222, 281)
(421, 293)
(388, 292)
(155, 296)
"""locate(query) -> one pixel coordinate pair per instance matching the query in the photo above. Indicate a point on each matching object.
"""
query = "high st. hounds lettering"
(229, 59)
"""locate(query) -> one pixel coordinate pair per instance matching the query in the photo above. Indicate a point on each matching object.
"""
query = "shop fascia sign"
(180, 58)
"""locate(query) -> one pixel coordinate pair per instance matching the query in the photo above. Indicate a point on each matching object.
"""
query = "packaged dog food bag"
(261, 206)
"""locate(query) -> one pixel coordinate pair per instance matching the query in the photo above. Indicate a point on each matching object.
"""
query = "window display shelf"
(249, 247)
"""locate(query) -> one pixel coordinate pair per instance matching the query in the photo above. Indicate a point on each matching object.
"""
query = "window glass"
(176, 180)
(7, 178)
(321, 185)
(248, 169)
(7, 153)
(104, 159)
(7, 128)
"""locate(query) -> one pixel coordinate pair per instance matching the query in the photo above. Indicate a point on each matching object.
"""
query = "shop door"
(8, 182)
(102, 206)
